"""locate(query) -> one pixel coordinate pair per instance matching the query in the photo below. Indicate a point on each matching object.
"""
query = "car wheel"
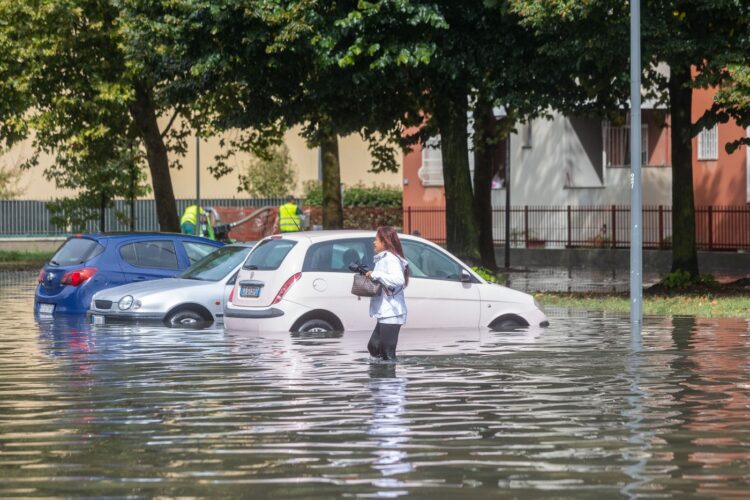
(508, 322)
(186, 318)
(315, 326)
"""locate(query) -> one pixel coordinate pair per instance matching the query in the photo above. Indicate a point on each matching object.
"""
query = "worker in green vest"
(189, 220)
(290, 216)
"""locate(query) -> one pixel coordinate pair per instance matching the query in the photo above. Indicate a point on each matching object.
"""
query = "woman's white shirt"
(389, 270)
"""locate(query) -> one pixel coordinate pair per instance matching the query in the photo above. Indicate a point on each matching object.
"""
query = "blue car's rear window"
(268, 255)
(76, 251)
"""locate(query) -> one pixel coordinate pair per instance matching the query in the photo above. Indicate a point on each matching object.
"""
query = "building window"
(617, 144)
(526, 135)
(708, 143)
(431, 171)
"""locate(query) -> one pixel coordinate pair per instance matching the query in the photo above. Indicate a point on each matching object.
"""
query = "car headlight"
(125, 302)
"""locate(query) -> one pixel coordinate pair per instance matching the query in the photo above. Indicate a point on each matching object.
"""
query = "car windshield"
(217, 264)
(269, 254)
(76, 251)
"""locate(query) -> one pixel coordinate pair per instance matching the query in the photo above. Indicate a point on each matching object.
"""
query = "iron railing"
(717, 228)
(32, 218)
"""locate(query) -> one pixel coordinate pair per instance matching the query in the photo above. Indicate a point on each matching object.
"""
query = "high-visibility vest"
(288, 218)
(191, 215)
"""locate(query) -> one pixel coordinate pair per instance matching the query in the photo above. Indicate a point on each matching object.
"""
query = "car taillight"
(79, 276)
(231, 295)
(40, 276)
(286, 286)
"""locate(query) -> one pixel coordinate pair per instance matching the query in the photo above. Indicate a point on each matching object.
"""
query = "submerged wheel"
(315, 326)
(186, 318)
(508, 322)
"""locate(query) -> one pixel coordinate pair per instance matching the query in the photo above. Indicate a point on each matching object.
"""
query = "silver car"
(195, 298)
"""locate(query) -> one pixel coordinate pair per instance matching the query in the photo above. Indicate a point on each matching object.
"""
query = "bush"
(359, 195)
(485, 273)
(682, 279)
(271, 175)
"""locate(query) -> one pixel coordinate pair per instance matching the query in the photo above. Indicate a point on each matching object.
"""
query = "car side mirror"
(465, 276)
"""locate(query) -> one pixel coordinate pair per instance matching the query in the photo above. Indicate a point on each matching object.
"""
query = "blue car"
(87, 263)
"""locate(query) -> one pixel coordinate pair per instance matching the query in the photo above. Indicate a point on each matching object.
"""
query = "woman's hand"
(369, 274)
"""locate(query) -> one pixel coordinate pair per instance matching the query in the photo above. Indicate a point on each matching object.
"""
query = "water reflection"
(576, 410)
(388, 427)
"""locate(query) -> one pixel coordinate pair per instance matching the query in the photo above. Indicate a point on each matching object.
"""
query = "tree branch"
(169, 125)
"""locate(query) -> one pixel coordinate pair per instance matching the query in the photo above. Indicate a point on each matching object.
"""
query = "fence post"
(661, 227)
(408, 217)
(526, 225)
(710, 227)
(614, 226)
(570, 227)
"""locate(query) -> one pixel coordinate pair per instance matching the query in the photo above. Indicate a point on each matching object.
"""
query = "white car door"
(326, 269)
(436, 297)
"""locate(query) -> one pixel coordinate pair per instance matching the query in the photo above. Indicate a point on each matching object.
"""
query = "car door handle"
(140, 278)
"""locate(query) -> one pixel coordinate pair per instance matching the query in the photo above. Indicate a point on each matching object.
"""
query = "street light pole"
(507, 199)
(636, 195)
(199, 228)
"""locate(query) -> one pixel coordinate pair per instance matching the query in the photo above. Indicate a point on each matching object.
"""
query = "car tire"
(187, 318)
(316, 326)
(508, 323)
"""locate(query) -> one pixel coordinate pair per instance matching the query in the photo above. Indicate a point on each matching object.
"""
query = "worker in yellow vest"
(189, 221)
(290, 216)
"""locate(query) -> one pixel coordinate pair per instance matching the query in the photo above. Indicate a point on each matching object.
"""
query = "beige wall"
(353, 155)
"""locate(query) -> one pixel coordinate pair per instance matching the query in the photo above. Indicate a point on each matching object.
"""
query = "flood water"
(577, 410)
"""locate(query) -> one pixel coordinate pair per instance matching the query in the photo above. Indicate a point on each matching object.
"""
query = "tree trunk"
(684, 253)
(485, 137)
(461, 230)
(144, 115)
(333, 213)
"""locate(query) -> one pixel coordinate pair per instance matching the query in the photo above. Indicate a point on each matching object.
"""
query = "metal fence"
(32, 218)
(717, 228)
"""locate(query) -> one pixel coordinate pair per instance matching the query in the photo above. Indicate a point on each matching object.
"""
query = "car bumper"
(262, 319)
(93, 316)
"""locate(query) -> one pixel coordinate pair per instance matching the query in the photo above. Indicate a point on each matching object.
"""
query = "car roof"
(144, 235)
(336, 234)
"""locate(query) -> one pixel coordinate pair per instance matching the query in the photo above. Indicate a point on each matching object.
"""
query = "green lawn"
(706, 306)
(18, 260)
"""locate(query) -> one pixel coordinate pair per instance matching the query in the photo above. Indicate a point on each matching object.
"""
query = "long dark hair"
(392, 244)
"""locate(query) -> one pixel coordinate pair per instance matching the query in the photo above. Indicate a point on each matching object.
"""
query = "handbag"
(362, 286)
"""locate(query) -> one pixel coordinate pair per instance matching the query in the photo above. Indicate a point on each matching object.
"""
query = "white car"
(301, 282)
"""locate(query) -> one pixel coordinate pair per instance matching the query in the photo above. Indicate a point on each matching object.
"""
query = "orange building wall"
(719, 182)
(415, 194)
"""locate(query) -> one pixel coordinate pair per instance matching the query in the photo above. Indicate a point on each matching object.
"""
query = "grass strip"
(705, 306)
(16, 260)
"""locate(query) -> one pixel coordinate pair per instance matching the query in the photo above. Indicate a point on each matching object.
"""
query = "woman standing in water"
(389, 307)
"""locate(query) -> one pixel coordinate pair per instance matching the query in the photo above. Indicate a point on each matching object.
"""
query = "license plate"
(46, 308)
(97, 319)
(250, 291)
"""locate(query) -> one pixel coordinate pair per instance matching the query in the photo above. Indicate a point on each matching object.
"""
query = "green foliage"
(359, 195)
(71, 95)
(16, 256)
(485, 273)
(269, 176)
(682, 279)
(734, 100)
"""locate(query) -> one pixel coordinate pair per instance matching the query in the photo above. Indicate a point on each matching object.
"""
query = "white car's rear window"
(269, 254)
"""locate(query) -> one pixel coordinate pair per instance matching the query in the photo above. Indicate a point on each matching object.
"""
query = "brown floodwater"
(576, 410)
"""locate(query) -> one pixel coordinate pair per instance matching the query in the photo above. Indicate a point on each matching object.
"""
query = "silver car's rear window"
(269, 254)
(76, 251)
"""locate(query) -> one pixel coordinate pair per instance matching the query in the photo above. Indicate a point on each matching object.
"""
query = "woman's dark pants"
(383, 341)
